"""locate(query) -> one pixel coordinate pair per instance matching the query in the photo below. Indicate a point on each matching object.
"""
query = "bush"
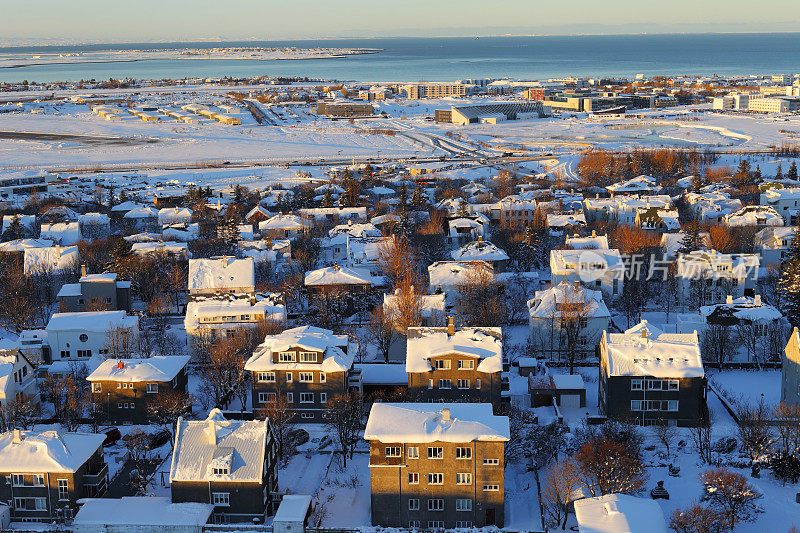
(786, 468)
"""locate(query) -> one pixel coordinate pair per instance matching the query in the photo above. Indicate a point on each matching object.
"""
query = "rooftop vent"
(445, 415)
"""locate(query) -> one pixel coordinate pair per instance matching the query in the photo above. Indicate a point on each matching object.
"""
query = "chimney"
(644, 333)
(594, 233)
(17, 436)
(83, 270)
(729, 299)
(120, 365)
(451, 327)
(212, 433)
(757, 300)
(576, 285)
(445, 415)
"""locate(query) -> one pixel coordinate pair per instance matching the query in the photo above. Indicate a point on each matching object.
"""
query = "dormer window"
(308, 357)
(220, 471)
(286, 357)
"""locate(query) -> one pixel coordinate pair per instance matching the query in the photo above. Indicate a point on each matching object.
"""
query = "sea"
(452, 58)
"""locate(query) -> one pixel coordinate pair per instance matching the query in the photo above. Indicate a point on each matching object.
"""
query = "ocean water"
(452, 58)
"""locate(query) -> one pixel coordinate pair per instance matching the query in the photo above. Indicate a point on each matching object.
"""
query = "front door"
(490, 516)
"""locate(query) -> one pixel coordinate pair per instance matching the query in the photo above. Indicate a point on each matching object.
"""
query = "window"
(430, 383)
(463, 478)
(413, 504)
(491, 488)
(323, 397)
(463, 504)
(38, 480)
(435, 479)
(289, 397)
(673, 384)
(220, 471)
(491, 461)
(306, 415)
(636, 405)
(64, 354)
(392, 451)
(286, 357)
(434, 453)
(636, 384)
(152, 388)
(435, 504)
(463, 453)
(441, 364)
(266, 397)
(17, 480)
(477, 383)
(462, 383)
(322, 377)
(672, 405)
(412, 452)
(266, 377)
(466, 364)
(97, 387)
(221, 498)
(308, 357)
(413, 478)
(84, 337)
(653, 384)
(413, 524)
(464, 524)
(435, 524)
(30, 504)
(63, 489)
(306, 377)
(84, 353)
(445, 383)
(288, 377)
(306, 397)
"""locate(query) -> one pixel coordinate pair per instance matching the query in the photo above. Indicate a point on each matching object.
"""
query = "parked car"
(159, 438)
(112, 436)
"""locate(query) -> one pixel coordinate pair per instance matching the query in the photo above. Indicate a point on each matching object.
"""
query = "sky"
(83, 21)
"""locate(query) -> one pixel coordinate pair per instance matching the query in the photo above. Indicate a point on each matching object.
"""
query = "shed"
(141, 514)
(565, 389)
(292, 514)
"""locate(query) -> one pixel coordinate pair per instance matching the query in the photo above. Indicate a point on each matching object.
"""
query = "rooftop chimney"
(594, 233)
(729, 299)
(83, 270)
(644, 333)
(212, 432)
(445, 415)
(120, 365)
(17, 436)
(757, 300)
(576, 285)
(451, 327)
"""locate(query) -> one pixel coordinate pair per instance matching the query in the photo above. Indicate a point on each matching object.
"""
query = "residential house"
(461, 230)
(352, 285)
(94, 226)
(305, 366)
(638, 185)
(708, 276)
(81, 336)
(221, 275)
(177, 250)
(712, 206)
(95, 292)
(46, 473)
(559, 224)
(773, 244)
(619, 513)
(595, 242)
(622, 209)
(62, 233)
(27, 224)
(445, 364)
(754, 215)
(282, 227)
(17, 378)
(141, 218)
(142, 514)
(514, 212)
(448, 277)
(784, 201)
(436, 465)
(658, 219)
(790, 371)
(231, 464)
(648, 377)
(596, 269)
(481, 250)
(124, 389)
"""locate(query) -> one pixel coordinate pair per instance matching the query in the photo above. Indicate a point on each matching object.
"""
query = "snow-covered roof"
(755, 215)
(619, 513)
(638, 184)
(64, 233)
(383, 374)
(69, 289)
(282, 222)
(568, 381)
(94, 218)
(105, 277)
(52, 258)
(293, 508)
(124, 207)
(644, 350)
(484, 344)
(159, 368)
(336, 357)
(149, 511)
(743, 308)
(545, 303)
(199, 444)
(771, 237)
(435, 422)
(568, 219)
(355, 230)
(221, 273)
(142, 212)
(454, 273)
(479, 251)
(20, 245)
(93, 321)
(702, 261)
(428, 303)
(213, 308)
(26, 221)
(170, 247)
(174, 215)
(47, 451)
(587, 261)
(595, 242)
(337, 275)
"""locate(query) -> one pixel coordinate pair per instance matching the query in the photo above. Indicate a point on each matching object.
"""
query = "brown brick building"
(231, 464)
(307, 366)
(123, 388)
(436, 465)
(46, 473)
(448, 365)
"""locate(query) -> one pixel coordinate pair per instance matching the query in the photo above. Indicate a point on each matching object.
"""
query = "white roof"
(383, 374)
(544, 303)
(484, 344)
(428, 303)
(142, 248)
(424, 422)
(639, 183)
(752, 215)
(94, 218)
(125, 206)
(65, 233)
(238, 444)
(658, 354)
(293, 508)
(337, 275)
(94, 321)
(20, 245)
(160, 368)
(453, 273)
(69, 289)
(568, 381)
(479, 251)
(585, 260)
(744, 308)
(195, 310)
(619, 513)
(335, 358)
(173, 215)
(222, 273)
(48, 451)
(284, 222)
(366, 229)
(595, 242)
(108, 277)
(142, 511)
(142, 212)
(53, 258)
(569, 219)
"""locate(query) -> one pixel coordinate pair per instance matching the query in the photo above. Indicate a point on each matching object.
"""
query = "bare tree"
(665, 434)
(407, 309)
(701, 439)
(755, 431)
(282, 420)
(730, 494)
(120, 343)
(381, 329)
(717, 343)
(165, 408)
(138, 446)
(344, 413)
(558, 484)
(575, 310)
(787, 418)
(21, 411)
(480, 302)
(697, 519)
(397, 259)
(747, 333)
(608, 467)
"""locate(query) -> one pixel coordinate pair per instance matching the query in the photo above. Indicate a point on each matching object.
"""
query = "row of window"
(152, 388)
(434, 452)
(437, 504)
(305, 397)
(303, 377)
(462, 478)
(292, 357)
(28, 504)
(439, 524)
(654, 405)
(66, 354)
(462, 364)
(448, 384)
(655, 384)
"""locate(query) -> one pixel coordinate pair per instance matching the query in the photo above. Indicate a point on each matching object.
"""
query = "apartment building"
(437, 90)
(790, 371)
(436, 465)
(709, 276)
(95, 292)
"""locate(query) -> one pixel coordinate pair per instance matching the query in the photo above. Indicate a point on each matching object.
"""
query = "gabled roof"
(47, 451)
(435, 422)
(201, 443)
(479, 251)
(484, 344)
(53, 258)
(337, 275)
(336, 356)
(545, 303)
(160, 368)
(453, 273)
(221, 273)
(282, 222)
(644, 350)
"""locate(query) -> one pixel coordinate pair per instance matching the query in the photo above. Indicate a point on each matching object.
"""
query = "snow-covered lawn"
(750, 385)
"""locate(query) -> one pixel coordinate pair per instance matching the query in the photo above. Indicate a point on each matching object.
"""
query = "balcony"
(96, 483)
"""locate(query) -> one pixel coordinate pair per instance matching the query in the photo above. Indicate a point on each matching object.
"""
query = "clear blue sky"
(160, 20)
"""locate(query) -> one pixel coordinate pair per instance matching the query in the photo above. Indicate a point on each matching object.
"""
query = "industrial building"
(344, 109)
(491, 113)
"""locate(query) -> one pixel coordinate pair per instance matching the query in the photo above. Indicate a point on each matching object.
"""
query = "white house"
(80, 336)
(712, 276)
(773, 244)
(754, 215)
(447, 277)
(222, 275)
(282, 227)
(784, 201)
(52, 259)
(595, 242)
(711, 206)
(638, 185)
(481, 250)
(62, 233)
(17, 377)
(596, 269)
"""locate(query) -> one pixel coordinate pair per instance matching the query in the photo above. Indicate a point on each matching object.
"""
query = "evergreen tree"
(792, 174)
(416, 197)
(757, 174)
(327, 201)
(14, 231)
(779, 173)
(691, 239)
(789, 284)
